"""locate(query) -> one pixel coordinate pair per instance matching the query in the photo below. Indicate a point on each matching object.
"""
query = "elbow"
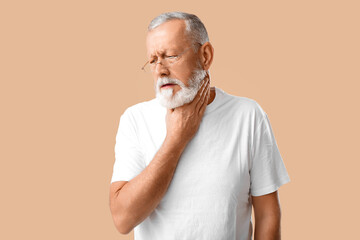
(122, 225)
(122, 218)
(123, 229)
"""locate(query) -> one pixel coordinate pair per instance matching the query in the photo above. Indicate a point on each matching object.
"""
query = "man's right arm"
(136, 199)
(131, 202)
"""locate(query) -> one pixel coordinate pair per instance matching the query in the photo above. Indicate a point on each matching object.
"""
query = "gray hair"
(194, 27)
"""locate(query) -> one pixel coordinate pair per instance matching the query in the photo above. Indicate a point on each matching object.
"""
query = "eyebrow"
(162, 52)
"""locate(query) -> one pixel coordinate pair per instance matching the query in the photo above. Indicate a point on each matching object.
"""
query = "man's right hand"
(183, 122)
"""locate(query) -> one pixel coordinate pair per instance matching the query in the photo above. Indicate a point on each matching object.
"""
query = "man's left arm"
(267, 216)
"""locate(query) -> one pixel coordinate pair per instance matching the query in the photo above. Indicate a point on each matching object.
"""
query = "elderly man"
(192, 162)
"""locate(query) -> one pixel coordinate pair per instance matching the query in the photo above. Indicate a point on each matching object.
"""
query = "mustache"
(165, 80)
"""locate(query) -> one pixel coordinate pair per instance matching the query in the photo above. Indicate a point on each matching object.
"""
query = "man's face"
(182, 78)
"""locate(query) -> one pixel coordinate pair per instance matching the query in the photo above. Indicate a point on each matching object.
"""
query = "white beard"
(184, 95)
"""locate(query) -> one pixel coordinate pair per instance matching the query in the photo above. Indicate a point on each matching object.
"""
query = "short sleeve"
(129, 160)
(267, 170)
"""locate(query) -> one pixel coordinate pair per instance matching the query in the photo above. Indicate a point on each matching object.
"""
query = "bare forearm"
(140, 196)
(267, 228)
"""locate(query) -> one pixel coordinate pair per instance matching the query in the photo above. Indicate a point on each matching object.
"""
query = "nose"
(161, 70)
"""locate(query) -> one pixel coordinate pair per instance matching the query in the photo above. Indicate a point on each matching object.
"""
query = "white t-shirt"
(232, 156)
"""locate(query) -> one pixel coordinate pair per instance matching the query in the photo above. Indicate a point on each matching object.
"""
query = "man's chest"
(213, 166)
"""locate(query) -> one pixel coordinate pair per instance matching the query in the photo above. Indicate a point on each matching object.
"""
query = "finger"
(203, 100)
(199, 93)
(203, 95)
(205, 103)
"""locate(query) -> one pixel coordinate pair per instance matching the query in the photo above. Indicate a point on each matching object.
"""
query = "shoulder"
(243, 105)
(143, 107)
(142, 112)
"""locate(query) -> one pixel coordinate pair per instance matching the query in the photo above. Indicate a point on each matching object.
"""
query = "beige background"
(69, 69)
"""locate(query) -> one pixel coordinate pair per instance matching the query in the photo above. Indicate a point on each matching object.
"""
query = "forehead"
(170, 35)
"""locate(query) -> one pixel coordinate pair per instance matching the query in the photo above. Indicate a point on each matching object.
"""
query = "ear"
(206, 52)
